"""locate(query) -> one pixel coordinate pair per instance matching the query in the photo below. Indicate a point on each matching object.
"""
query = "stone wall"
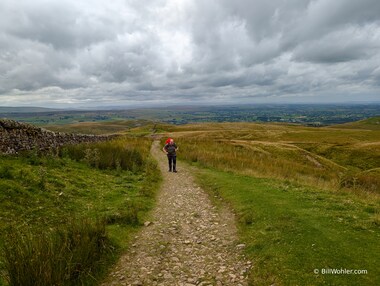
(16, 136)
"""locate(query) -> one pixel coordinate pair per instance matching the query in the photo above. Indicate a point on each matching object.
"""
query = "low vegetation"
(105, 156)
(61, 256)
(323, 157)
(66, 216)
(98, 128)
(306, 199)
(292, 230)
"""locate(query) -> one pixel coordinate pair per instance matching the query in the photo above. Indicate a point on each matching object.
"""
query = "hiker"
(170, 150)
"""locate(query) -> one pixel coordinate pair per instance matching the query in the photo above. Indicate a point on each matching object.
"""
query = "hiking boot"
(175, 171)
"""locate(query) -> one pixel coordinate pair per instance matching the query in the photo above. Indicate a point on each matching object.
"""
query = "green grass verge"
(41, 195)
(290, 230)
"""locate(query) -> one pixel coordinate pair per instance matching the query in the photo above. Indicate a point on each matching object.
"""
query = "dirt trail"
(189, 241)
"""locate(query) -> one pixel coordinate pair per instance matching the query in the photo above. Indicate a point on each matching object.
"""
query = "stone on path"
(189, 242)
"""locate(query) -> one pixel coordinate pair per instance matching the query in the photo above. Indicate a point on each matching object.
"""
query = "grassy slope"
(310, 155)
(279, 221)
(109, 127)
(372, 123)
(45, 192)
(293, 228)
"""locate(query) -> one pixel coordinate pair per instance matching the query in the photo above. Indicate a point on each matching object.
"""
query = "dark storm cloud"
(97, 52)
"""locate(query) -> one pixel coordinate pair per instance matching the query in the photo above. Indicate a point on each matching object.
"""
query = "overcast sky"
(61, 53)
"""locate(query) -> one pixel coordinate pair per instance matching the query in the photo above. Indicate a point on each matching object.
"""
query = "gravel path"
(189, 242)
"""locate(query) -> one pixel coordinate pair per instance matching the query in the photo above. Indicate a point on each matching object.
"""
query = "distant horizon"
(159, 106)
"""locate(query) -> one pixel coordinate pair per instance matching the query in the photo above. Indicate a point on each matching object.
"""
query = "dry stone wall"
(16, 136)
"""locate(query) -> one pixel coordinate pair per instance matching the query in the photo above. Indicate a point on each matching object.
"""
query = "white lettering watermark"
(340, 271)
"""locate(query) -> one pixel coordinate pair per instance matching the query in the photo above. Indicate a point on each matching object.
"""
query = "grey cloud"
(266, 19)
(320, 18)
(62, 24)
(349, 44)
(93, 51)
(34, 67)
(112, 65)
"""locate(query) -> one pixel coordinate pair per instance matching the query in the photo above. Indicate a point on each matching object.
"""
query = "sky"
(96, 53)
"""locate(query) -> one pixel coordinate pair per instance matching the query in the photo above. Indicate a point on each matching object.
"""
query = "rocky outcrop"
(16, 136)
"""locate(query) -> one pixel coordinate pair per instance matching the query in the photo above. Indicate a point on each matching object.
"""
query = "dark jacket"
(171, 149)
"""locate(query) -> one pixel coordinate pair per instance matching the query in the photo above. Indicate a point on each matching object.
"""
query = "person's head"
(171, 141)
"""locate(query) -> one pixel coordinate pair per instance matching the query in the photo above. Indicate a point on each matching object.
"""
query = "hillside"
(280, 149)
(5, 110)
(107, 127)
(75, 208)
(372, 123)
(307, 199)
(304, 198)
(301, 153)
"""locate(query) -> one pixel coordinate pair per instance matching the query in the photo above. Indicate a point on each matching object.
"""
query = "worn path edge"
(188, 242)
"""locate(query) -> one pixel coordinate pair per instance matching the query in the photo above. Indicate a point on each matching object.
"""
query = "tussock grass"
(100, 199)
(262, 159)
(115, 154)
(330, 158)
(305, 198)
(66, 255)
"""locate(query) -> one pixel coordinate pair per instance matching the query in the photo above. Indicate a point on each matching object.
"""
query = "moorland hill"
(372, 123)
(304, 197)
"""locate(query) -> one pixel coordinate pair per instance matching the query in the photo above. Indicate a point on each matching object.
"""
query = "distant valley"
(304, 114)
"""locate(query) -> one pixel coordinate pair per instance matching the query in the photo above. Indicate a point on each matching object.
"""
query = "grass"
(324, 157)
(372, 123)
(63, 256)
(264, 159)
(104, 155)
(49, 201)
(291, 229)
(305, 198)
(105, 127)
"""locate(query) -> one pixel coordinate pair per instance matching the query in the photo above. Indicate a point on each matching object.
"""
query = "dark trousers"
(172, 162)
